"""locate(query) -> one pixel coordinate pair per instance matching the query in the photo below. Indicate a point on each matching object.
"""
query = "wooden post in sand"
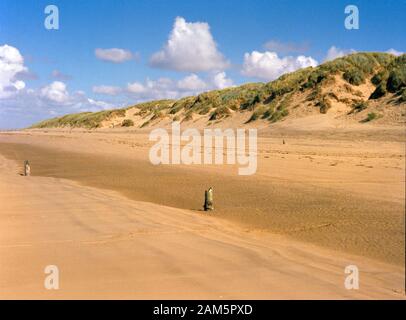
(208, 200)
(27, 168)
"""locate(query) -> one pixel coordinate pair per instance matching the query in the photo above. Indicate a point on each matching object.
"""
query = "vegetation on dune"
(402, 96)
(370, 117)
(258, 113)
(267, 101)
(89, 120)
(146, 108)
(127, 123)
(220, 113)
(324, 104)
(279, 113)
(354, 76)
(380, 77)
(397, 79)
(146, 123)
(379, 92)
(392, 78)
(359, 106)
(188, 116)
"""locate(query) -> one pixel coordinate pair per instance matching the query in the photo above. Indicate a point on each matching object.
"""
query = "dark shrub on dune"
(380, 91)
(127, 123)
(354, 76)
(397, 79)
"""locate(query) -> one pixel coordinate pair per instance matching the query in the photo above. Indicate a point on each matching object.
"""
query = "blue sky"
(212, 44)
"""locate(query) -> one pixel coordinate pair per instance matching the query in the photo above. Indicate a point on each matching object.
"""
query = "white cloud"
(55, 92)
(28, 106)
(115, 55)
(190, 48)
(21, 106)
(136, 87)
(394, 52)
(220, 81)
(268, 66)
(57, 95)
(19, 85)
(11, 65)
(108, 90)
(99, 104)
(334, 53)
(192, 83)
(165, 88)
(162, 88)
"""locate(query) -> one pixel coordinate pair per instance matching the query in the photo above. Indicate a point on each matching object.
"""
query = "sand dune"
(107, 246)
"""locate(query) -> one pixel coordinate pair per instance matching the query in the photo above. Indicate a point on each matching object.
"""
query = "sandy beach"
(119, 227)
(201, 150)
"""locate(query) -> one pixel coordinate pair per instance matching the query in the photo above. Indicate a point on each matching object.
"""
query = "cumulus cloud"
(108, 90)
(97, 104)
(269, 66)
(394, 52)
(11, 66)
(114, 55)
(162, 88)
(21, 106)
(192, 83)
(28, 106)
(136, 87)
(190, 48)
(334, 53)
(220, 81)
(56, 92)
(166, 88)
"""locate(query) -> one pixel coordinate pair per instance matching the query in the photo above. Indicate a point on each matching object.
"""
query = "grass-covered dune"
(269, 101)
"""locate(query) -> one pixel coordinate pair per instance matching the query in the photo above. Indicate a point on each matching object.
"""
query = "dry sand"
(265, 239)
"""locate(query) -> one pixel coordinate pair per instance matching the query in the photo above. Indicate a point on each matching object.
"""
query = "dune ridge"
(360, 88)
